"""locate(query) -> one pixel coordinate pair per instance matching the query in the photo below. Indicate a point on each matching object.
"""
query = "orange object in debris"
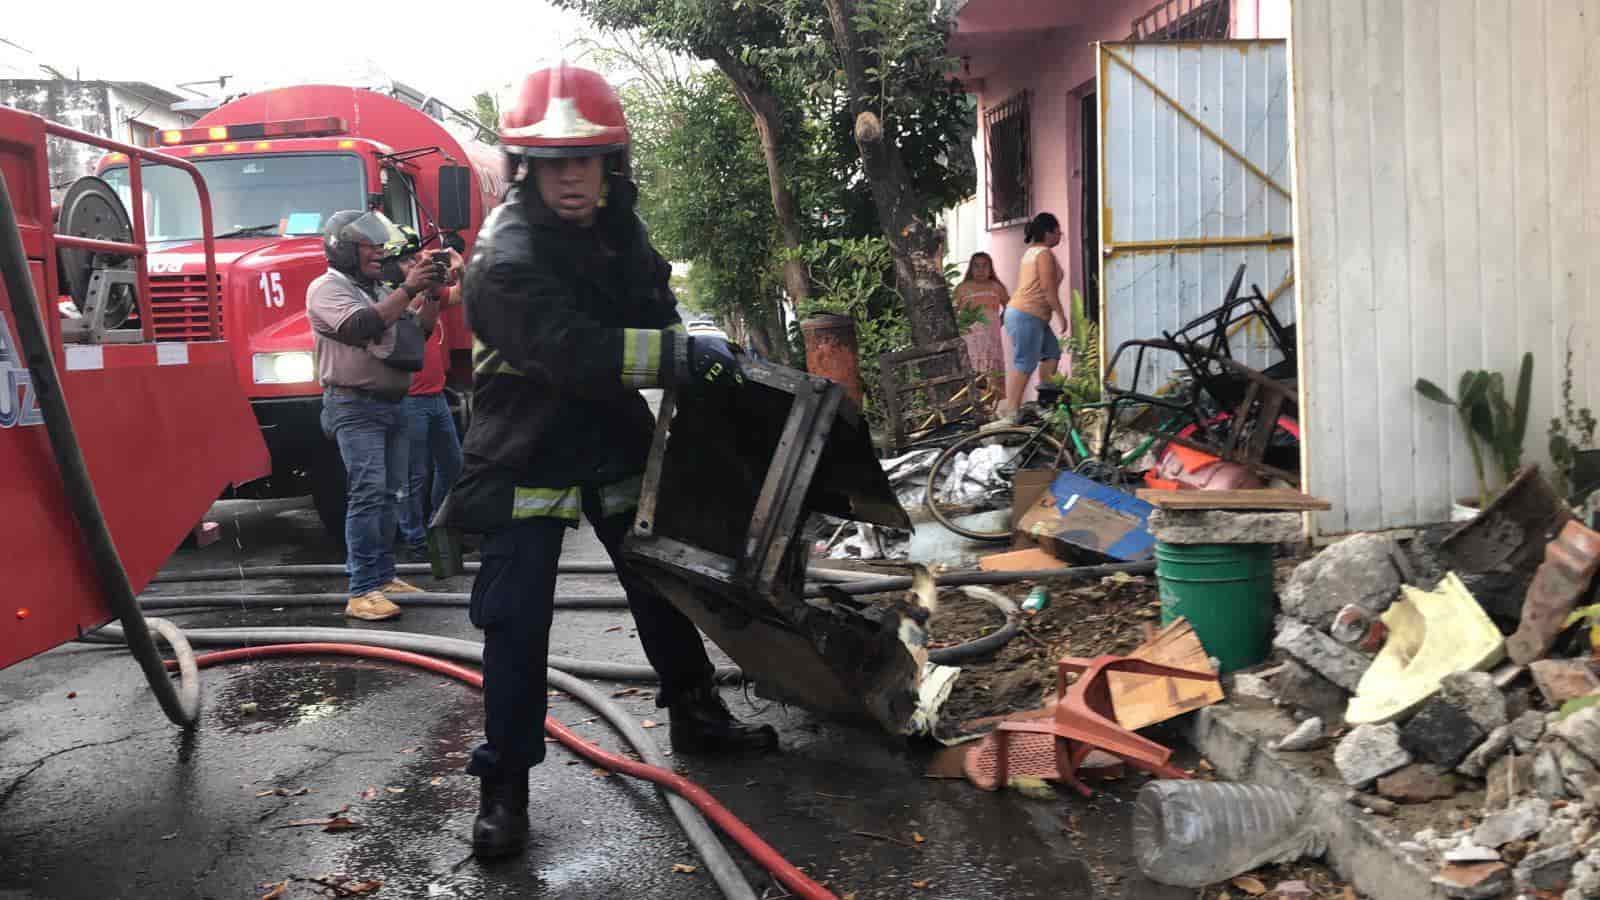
(1081, 723)
(831, 352)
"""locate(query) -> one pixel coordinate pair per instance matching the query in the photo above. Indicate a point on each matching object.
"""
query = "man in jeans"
(432, 440)
(363, 393)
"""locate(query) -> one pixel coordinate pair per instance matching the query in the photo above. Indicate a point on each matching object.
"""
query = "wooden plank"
(1144, 700)
(1280, 499)
(1019, 561)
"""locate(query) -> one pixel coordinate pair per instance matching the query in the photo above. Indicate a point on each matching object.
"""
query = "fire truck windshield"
(251, 196)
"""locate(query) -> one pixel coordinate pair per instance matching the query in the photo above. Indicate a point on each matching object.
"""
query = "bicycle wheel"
(969, 486)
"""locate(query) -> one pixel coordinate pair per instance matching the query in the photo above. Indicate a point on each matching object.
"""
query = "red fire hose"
(762, 852)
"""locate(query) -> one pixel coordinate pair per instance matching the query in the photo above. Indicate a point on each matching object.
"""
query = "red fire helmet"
(564, 111)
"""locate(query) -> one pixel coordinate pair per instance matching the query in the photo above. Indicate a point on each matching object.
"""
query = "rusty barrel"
(831, 352)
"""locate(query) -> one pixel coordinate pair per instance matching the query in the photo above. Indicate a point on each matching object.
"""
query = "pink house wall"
(1058, 66)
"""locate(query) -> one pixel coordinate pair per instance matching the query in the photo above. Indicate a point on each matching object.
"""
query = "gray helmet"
(346, 230)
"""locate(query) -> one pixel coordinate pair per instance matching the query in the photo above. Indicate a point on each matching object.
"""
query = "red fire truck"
(277, 164)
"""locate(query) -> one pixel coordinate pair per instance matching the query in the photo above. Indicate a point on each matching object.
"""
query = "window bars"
(1010, 169)
(1184, 20)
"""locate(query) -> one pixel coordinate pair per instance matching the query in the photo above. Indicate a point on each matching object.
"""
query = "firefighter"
(571, 314)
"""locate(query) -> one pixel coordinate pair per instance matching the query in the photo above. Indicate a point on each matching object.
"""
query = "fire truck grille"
(178, 305)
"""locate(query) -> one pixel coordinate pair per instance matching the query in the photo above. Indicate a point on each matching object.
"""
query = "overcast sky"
(455, 50)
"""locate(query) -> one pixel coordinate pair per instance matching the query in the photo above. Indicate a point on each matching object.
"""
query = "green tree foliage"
(486, 109)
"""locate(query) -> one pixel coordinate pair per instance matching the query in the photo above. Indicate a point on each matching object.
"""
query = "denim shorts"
(1032, 341)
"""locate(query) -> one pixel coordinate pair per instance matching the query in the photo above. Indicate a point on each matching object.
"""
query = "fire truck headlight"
(283, 368)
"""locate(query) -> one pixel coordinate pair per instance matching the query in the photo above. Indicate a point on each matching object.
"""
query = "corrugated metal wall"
(1448, 194)
(1165, 181)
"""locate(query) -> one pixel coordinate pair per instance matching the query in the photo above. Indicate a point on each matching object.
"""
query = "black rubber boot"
(701, 723)
(501, 828)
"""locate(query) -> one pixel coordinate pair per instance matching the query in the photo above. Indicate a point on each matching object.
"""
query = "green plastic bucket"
(1225, 591)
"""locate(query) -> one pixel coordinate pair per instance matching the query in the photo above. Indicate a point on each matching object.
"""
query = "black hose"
(150, 602)
(240, 573)
(75, 480)
(886, 585)
(989, 643)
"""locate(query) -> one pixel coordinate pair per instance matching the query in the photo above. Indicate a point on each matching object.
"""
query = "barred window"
(1184, 20)
(1010, 169)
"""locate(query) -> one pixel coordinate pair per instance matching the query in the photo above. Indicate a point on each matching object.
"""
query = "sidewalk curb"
(1234, 738)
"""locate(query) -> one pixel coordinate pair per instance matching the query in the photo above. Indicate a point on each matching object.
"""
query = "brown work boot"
(372, 606)
(396, 586)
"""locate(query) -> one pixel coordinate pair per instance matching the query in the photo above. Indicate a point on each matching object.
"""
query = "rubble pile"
(1423, 692)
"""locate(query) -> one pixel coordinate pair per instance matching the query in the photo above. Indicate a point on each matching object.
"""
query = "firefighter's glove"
(712, 360)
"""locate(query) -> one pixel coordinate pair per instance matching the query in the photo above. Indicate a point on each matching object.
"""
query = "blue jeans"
(1032, 341)
(433, 444)
(371, 434)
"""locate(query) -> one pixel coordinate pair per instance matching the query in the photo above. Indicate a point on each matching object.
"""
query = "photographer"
(367, 348)
(433, 445)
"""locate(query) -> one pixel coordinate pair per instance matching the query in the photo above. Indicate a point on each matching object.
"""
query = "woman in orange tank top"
(982, 291)
(1028, 316)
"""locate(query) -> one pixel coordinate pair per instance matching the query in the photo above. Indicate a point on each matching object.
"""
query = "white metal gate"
(1194, 180)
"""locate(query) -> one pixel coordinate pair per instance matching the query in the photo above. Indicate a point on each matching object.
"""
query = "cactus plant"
(1490, 422)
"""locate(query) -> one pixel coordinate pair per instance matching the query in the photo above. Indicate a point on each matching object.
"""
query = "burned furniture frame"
(960, 383)
(730, 478)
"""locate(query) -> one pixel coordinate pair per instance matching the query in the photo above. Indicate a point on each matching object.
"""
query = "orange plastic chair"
(1083, 720)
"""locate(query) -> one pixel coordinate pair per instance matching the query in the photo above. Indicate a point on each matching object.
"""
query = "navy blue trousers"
(513, 601)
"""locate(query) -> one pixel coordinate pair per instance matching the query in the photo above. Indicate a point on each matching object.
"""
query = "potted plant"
(1493, 426)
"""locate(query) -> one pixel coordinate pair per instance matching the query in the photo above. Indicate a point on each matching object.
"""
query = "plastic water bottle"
(1196, 833)
(1038, 599)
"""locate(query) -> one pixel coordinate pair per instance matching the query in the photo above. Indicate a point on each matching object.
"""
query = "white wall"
(1448, 211)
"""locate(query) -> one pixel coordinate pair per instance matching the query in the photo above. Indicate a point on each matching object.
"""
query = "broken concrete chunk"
(1469, 852)
(1477, 763)
(1526, 818)
(1475, 694)
(1549, 869)
(1308, 736)
(1577, 772)
(1558, 832)
(1303, 688)
(1509, 777)
(1417, 783)
(1368, 753)
(1333, 660)
(1357, 570)
(1473, 881)
(1431, 634)
(1441, 734)
(1526, 730)
(1219, 526)
(1548, 781)
(1581, 731)
(1586, 878)
(1560, 680)
(1570, 563)
(1252, 686)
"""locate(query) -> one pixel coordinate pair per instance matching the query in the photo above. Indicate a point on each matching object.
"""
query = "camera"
(440, 260)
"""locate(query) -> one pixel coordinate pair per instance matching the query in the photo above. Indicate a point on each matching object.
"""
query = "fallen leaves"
(601, 773)
(613, 628)
(371, 793)
(625, 692)
(1250, 885)
(650, 723)
(436, 780)
(917, 838)
(922, 885)
(275, 890)
(283, 792)
(684, 869)
(416, 749)
(346, 885)
(395, 790)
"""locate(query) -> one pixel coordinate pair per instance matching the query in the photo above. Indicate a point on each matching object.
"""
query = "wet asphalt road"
(100, 797)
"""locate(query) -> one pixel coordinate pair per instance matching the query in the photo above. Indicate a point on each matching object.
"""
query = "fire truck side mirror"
(455, 198)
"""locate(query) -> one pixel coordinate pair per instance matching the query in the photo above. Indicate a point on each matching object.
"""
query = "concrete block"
(1477, 763)
(1333, 660)
(1581, 731)
(1475, 694)
(1358, 569)
(1303, 688)
(1218, 526)
(1441, 734)
(1522, 820)
(1549, 869)
(1368, 752)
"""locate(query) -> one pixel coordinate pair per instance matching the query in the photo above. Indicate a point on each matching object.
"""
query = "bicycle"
(969, 486)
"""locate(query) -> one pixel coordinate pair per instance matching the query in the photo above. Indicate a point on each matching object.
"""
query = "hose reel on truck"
(103, 286)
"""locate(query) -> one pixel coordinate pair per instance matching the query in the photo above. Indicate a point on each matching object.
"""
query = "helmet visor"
(373, 228)
(407, 244)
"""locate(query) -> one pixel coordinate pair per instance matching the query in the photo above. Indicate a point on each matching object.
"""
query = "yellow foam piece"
(1431, 634)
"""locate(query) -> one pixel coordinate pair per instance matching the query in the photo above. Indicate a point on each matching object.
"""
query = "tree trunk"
(757, 97)
(915, 242)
